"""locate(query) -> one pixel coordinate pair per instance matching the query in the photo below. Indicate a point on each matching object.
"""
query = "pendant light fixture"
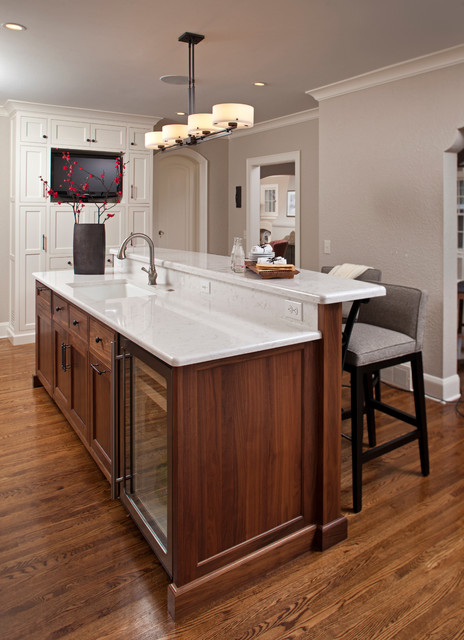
(223, 120)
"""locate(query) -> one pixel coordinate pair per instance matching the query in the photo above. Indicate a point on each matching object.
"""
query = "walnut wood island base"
(254, 444)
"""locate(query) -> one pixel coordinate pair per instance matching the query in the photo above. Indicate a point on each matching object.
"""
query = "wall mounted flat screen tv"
(85, 164)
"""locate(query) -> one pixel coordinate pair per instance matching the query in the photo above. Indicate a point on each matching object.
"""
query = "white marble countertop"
(307, 285)
(179, 325)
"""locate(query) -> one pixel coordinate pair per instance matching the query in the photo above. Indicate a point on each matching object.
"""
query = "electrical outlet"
(294, 310)
(327, 246)
(205, 287)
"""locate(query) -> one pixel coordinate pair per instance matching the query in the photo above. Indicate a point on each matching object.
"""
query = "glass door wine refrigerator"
(141, 443)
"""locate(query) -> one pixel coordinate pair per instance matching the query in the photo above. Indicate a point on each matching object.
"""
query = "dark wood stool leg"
(357, 397)
(421, 416)
(370, 413)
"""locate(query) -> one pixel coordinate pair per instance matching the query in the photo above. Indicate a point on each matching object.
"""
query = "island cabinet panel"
(73, 365)
(100, 339)
(246, 483)
(44, 346)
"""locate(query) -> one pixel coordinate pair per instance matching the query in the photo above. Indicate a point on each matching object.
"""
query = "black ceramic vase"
(89, 249)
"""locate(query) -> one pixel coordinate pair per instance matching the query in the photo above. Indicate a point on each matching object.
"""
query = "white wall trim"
(443, 389)
(3, 330)
(12, 106)
(406, 69)
(276, 123)
(23, 338)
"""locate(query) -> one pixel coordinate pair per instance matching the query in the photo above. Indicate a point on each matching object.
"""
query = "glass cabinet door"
(146, 447)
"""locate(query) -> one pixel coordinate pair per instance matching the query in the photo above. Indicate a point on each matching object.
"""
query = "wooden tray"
(288, 271)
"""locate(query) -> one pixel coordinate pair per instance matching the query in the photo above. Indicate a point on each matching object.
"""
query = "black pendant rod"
(192, 39)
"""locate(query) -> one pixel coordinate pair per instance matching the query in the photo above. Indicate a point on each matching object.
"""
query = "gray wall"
(382, 195)
(301, 137)
(4, 216)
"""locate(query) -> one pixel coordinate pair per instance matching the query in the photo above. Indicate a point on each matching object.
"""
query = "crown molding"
(283, 121)
(12, 106)
(406, 69)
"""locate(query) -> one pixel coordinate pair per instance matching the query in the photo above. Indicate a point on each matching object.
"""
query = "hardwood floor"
(74, 566)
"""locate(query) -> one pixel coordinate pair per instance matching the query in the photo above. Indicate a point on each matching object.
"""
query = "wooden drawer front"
(43, 307)
(60, 310)
(100, 339)
(43, 294)
(78, 323)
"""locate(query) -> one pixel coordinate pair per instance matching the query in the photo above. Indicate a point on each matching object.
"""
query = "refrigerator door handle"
(116, 477)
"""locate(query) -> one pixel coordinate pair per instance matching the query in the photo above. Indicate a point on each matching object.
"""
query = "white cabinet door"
(108, 136)
(67, 133)
(140, 222)
(137, 139)
(32, 258)
(60, 231)
(139, 168)
(33, 164)
(115, 227)
(34, 129)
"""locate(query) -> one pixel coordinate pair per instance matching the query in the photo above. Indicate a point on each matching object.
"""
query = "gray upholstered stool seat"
(389, 331)
(371, 344)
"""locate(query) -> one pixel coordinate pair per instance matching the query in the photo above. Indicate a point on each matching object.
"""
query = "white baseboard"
(443, 389)
(20, 338)
(3, 329)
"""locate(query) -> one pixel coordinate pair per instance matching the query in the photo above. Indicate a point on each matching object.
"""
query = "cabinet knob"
(58, 308)
(132, 143)
(88, 140)
(93, 140)
(70, 263)
(75, 322)
(97, 340)
(44, 136)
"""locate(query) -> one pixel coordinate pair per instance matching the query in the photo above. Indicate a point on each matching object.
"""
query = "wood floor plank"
(73, 565)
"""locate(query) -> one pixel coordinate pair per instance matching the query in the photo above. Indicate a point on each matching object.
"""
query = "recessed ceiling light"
(259, 84)
(14, 26)
(180, 113)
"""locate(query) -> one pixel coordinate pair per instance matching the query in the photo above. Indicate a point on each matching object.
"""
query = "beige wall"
(381, 191)
(301, 137)
(4, 216)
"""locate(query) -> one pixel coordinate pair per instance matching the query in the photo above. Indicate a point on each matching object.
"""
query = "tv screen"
(94, 176)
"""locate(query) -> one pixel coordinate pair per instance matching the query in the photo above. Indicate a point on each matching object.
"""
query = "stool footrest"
(391, 411)
(381, 449)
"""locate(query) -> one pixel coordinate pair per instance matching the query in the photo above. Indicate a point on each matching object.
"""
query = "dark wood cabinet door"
(78, 401)
(44, 349)
(100, 412)
(62, 367)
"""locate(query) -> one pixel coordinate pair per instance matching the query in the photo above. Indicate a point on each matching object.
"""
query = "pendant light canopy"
(224, 118)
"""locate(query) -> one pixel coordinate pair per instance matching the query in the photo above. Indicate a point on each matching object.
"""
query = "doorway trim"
(253, 189)
(202, 191)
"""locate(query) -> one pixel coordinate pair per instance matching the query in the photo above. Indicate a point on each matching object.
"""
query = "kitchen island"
(238, 426)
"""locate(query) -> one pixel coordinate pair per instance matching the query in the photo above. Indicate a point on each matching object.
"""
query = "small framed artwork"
(290, 204)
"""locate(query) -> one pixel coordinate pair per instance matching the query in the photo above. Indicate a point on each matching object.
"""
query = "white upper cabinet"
(68, 133)
(136, 139)
(108, 136)
(139, 168)
(34, 163)
(34, 129)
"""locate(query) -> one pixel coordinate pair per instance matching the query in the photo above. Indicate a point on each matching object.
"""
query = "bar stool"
(389, 331)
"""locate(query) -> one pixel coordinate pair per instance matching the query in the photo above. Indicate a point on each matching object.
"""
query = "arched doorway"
(180, 200)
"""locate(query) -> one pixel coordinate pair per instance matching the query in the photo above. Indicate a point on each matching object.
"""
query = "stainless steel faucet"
(152, 275)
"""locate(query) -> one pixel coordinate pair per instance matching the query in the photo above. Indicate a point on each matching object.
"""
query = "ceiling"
(110, 54)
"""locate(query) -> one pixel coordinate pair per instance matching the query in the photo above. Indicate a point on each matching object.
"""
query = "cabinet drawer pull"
(97, 340)
(95, 368)
(75, 322)
(58, 308)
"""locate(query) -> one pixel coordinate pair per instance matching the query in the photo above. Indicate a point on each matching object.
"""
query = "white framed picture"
(290, 204)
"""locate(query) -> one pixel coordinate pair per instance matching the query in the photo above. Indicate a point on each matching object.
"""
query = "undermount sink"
(112, 290)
